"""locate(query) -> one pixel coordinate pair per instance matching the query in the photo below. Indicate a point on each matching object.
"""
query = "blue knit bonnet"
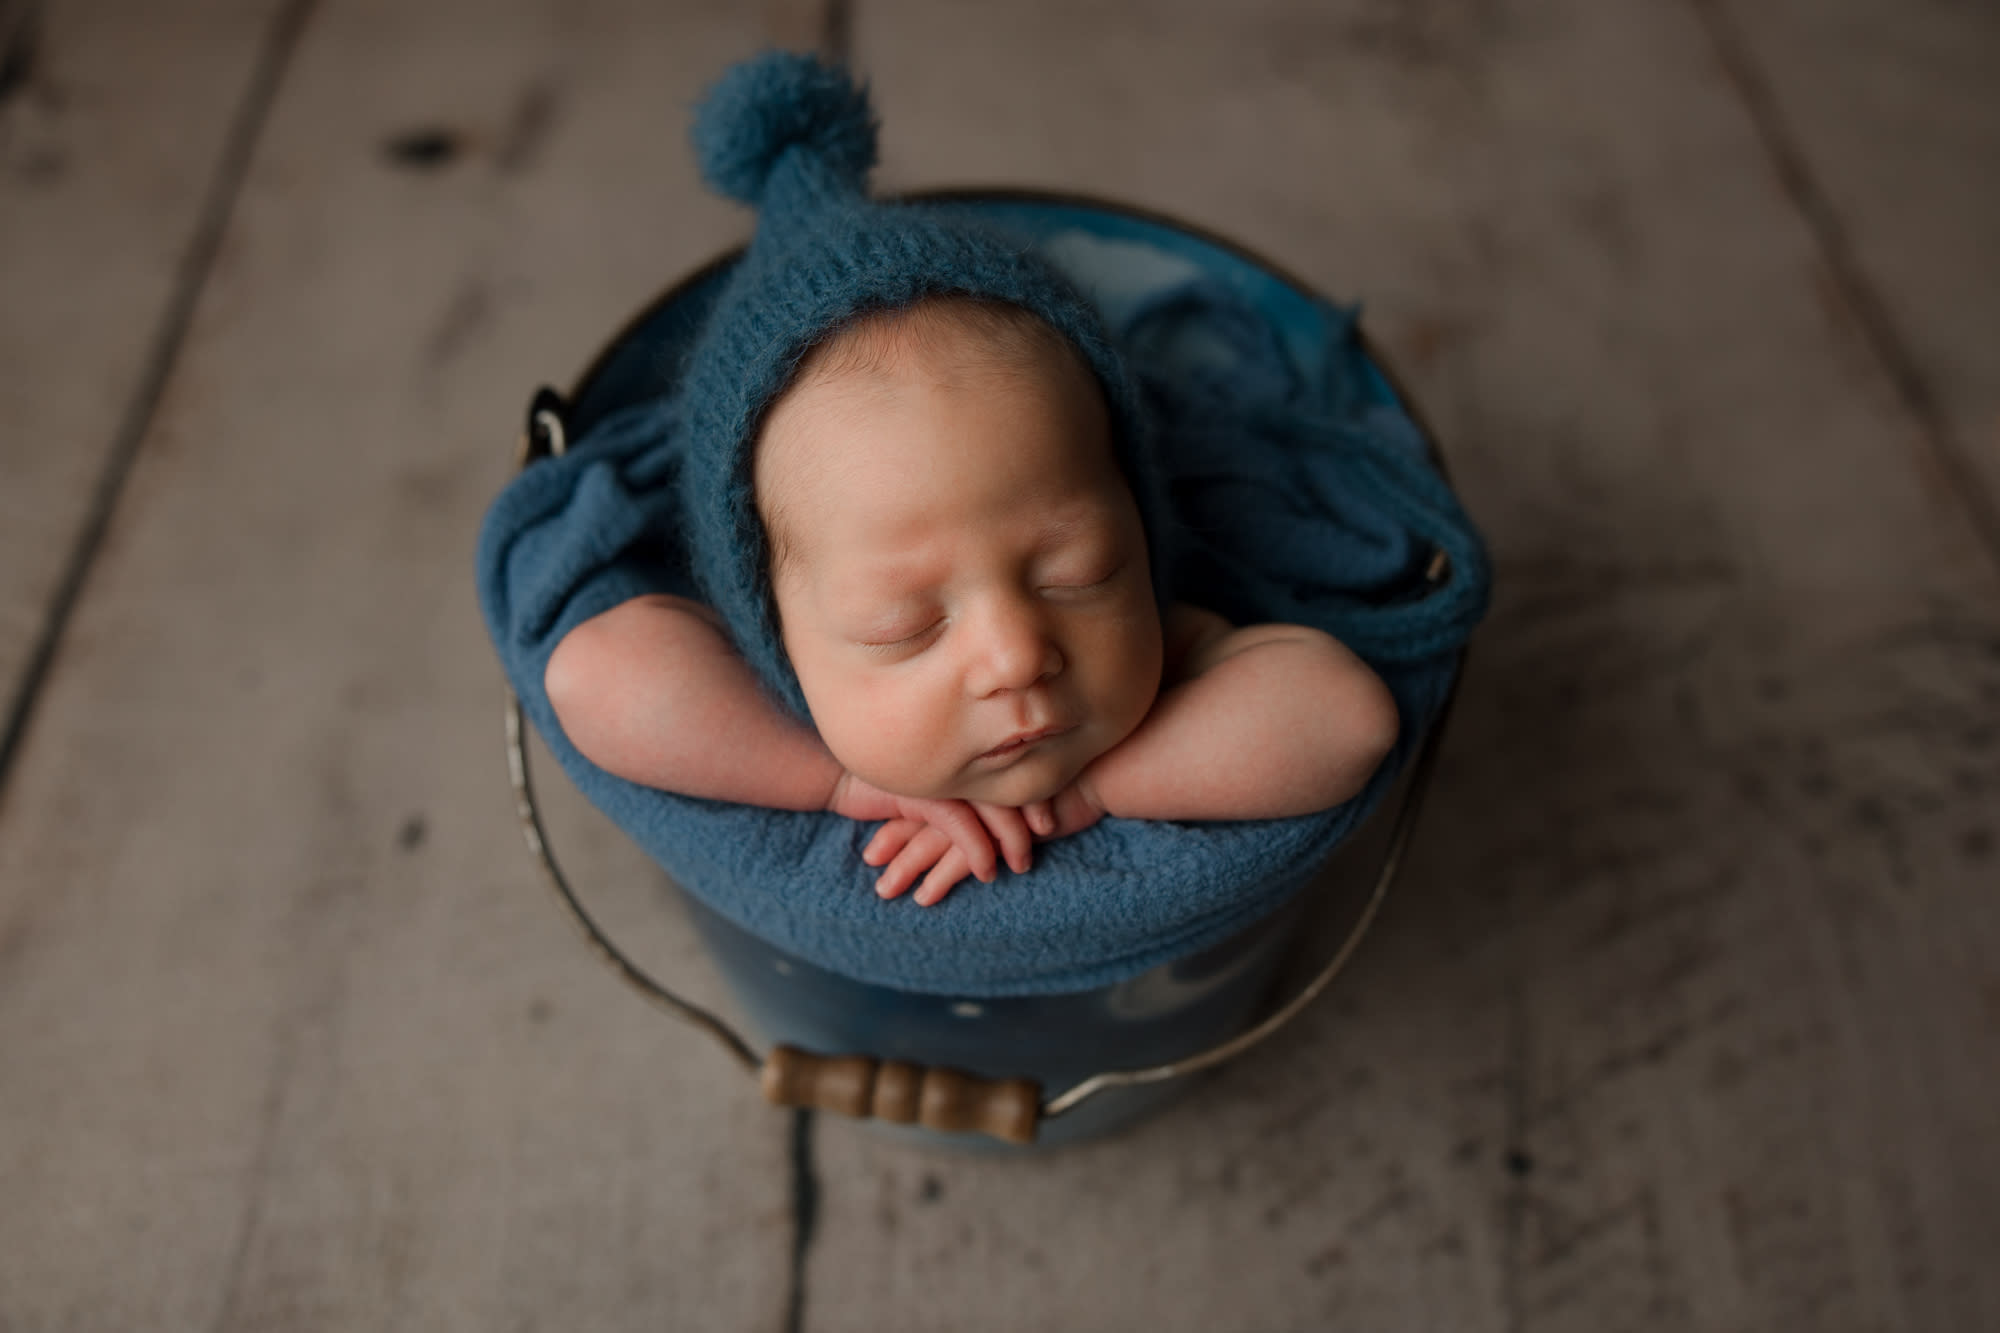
(795, 139)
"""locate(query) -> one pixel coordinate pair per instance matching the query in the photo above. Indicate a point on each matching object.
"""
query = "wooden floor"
(1685, 1015)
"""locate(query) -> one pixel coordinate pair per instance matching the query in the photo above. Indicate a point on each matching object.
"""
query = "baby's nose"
(1016, 651)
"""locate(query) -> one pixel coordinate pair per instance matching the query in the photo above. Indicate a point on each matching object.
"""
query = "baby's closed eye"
(878, 621)
(905, 636)
(1080, 579)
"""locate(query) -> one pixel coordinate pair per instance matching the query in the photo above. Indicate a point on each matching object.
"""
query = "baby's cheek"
(1131, 682)
(881, 730)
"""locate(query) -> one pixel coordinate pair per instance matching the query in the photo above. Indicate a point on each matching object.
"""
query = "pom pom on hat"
(778, 101)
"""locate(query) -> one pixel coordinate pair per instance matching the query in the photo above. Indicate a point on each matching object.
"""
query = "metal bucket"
(968, 1071)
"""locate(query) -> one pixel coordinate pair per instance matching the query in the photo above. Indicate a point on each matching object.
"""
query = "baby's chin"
(1010, 788)
(1034, 777)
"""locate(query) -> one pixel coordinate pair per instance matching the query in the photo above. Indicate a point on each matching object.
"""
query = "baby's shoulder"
(1189, 632)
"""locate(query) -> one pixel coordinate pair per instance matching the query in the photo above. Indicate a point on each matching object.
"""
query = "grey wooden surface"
(1685, 1013)
(115, 125)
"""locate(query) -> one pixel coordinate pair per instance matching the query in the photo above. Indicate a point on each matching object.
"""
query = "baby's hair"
(1004, 337)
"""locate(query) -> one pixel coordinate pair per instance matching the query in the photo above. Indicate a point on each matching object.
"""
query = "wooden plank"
(292, 1038)
(1679, 1018)
(1889, 114)
(111, 130)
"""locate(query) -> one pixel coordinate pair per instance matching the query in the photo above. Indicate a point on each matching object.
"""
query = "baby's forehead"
(863, 367)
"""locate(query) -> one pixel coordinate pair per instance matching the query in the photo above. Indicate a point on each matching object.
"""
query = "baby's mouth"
(1020, 741)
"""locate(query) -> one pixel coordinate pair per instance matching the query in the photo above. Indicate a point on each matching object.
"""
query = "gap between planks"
(191, 277)
(1944, 450)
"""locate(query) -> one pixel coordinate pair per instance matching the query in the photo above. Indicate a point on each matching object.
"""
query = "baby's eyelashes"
(905, 642)
(1084, 584)
(899, 640)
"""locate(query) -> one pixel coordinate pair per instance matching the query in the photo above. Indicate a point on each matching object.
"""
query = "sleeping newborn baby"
(960, 576)
(917, 499)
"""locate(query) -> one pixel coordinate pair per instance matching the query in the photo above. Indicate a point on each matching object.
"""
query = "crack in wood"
(1515, 1196)
(805, 1217)
(20, 43)
(825, 27)
(198, 262)
(1852, 286)
(534, 116)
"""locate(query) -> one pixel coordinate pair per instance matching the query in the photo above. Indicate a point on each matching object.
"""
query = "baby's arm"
(1255, 723)
(652, 691)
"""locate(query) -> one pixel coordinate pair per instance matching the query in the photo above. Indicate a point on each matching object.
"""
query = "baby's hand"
(908, 847)
(1071, 810)
(970, 829)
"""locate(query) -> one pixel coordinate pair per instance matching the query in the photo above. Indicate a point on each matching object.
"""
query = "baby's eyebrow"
(898, 580)
(1060, 531)
(883, 596)
(1090, 525)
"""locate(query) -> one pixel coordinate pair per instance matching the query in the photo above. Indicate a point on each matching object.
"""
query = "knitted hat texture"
(795, 139)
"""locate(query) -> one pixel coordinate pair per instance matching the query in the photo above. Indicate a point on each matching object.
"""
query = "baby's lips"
(1023, 740)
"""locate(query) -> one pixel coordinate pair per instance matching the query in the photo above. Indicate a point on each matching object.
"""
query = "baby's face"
(963, 585)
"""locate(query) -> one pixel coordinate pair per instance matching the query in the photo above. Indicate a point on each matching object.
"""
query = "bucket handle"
(937, 1098)
(1009, 1109)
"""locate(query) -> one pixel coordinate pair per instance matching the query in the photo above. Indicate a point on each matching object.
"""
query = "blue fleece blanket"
(1303, 493)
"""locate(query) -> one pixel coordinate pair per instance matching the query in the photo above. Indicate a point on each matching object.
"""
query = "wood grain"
(1889, 115)
(1677, 1019)
(292, 1038)
(113, 130)
(1681, 1018)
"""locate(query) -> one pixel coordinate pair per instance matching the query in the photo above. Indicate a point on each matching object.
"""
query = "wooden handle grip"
(859, 1085)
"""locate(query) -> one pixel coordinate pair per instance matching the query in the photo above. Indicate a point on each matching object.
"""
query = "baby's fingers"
(922, 852)
(956, 820)
(943, 876)
(891, 838)
(1010, 829)
(1041, 817)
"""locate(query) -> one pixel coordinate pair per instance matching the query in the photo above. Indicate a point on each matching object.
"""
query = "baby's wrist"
(842, 799)
(1086, 791)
